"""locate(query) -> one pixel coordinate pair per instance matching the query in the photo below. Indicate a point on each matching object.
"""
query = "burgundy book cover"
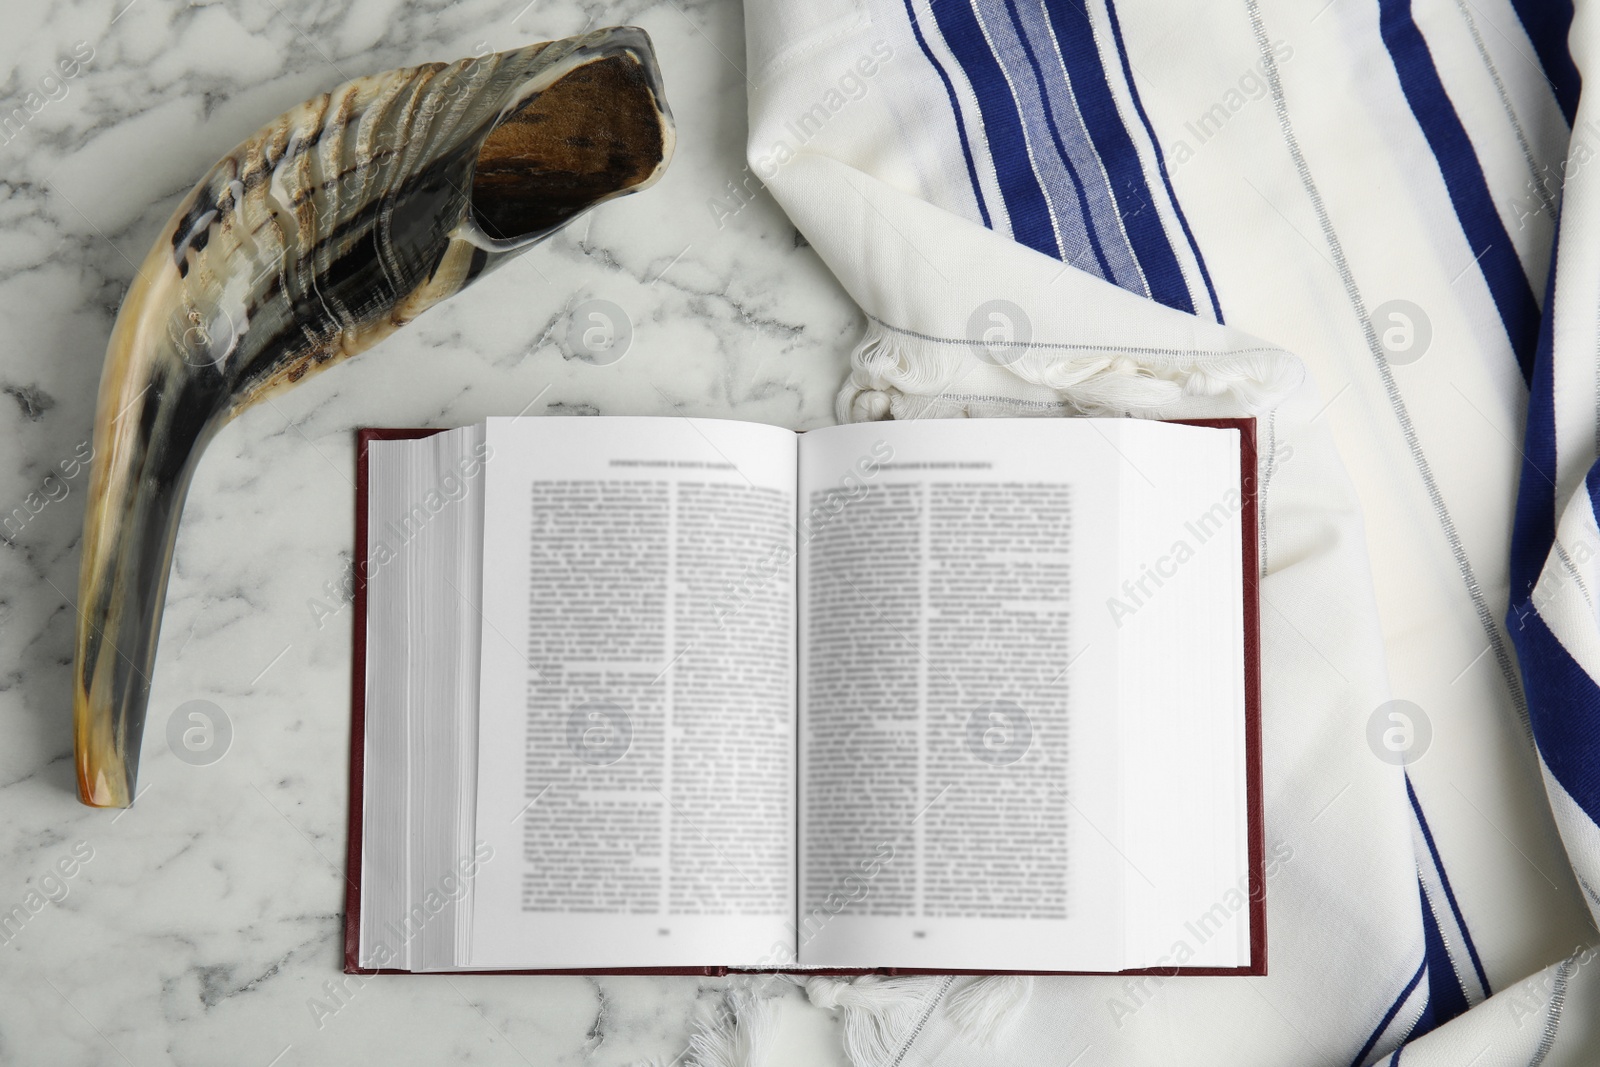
(1250, 538)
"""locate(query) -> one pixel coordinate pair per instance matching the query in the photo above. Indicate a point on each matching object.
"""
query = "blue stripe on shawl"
(1463, 177)
(1447, 996)
(1031, 223)
(1055, 205)
(1444, 881)
(1547, 23)
(1388, 1016)
(1075, 181)
(955, 111)
(1161, 160)
(1534, 528)
(1563, 705)
(1118, 155)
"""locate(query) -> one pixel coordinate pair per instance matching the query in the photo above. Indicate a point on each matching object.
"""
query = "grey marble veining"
(204, 924)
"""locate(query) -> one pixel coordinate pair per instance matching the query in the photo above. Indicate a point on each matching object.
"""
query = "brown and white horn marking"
(336, 224)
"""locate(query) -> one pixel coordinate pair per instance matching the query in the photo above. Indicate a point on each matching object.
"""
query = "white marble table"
(205, 924)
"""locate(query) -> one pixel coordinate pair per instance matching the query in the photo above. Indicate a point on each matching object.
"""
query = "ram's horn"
(334, 225)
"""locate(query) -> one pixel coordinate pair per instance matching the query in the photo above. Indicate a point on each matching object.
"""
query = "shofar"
(334, 225)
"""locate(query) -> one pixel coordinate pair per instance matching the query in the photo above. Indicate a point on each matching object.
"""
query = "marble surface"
(204, 924)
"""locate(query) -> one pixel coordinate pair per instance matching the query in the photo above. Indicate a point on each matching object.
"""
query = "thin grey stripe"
(933, 1002)
(1136, 349)
(1402, 1036)
(1444, 938)
(1458, 962)
(1552, 1015)
(1588, 891)
(1009, 401)
(1402, 416)
(1545, 196)
(1572, 569)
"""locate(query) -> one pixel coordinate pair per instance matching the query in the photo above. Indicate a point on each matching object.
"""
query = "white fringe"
(879, 1013)
(741, 1034)
(899, 375)
(986, 1008)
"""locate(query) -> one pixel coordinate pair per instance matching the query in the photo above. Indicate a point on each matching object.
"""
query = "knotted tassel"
(739, 1035)
(985, 1008)
(879, 1014)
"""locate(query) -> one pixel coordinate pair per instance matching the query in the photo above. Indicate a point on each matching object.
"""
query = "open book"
(670, 694)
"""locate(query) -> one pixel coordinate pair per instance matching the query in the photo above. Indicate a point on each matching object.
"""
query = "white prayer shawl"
(1339, 218)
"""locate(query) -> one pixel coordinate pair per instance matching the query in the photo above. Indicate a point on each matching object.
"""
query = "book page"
(637, 763)
(1178, 607)
(424, 538)
(960, 801)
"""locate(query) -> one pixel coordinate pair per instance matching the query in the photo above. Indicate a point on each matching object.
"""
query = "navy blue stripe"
(1161, 160)
(1425, 1020)
(1447, 997)
(955, 110)
(1534, 529)
(1394, 1061)
(1564, 707)
(1019, 186)
(1111, 142)
(1547, 23)
(1388, 1016)
(1061, 149)
(1444, 880)
(1463, 177)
